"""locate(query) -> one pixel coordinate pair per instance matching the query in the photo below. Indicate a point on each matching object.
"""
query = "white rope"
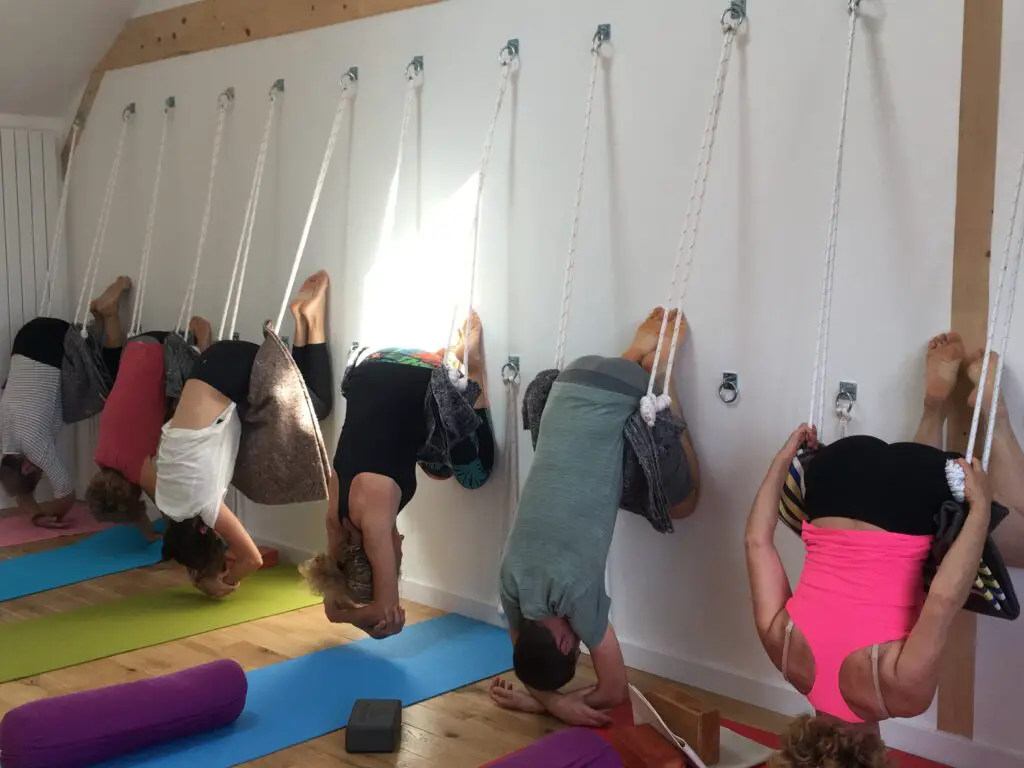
(817, 408)
(570, 261)
(954, 472)
(651, 404)
(347, 92)
(46, 302)
(508, 59)
(89, 283)
(248, 224)
(186, 306)
(388, 224)
(135, 326)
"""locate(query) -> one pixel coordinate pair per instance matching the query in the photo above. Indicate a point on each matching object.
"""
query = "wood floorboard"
(460, 729)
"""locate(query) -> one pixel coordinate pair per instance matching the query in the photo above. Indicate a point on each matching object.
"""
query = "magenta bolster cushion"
(93, 726)
(571, 748)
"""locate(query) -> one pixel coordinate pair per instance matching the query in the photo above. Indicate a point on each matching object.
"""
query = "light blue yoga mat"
(111, 551)
(302, 699)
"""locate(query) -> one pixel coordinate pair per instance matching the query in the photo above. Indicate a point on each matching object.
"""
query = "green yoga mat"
(35, 646)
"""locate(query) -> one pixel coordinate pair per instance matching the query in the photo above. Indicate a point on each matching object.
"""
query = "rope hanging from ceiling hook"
(348, 89)
(601, 37)
(135, 326)
(509, 58)
(224, 100)
(92, 267)
(46, 301)
(249, 220)
(651, 404)
(817, 406)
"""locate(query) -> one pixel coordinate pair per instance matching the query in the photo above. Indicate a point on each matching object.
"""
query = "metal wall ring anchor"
(509, 52)
(128, 112)
(510, 371)
(729, 389)
(414, 68)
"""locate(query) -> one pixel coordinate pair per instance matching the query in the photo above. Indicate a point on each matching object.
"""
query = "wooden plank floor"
(461, 729)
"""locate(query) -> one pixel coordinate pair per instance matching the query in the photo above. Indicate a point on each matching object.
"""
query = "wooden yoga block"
(640, 746)
(269, 556)
(697, 723)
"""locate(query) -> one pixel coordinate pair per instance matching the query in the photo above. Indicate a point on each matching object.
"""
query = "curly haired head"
(112, 498)
(348, 580)
(816, 742)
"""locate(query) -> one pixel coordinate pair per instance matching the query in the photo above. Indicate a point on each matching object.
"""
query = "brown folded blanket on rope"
(281, 454)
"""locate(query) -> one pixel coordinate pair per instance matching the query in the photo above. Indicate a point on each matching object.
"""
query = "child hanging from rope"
(386, 428)
(552, 575)
(195, 461)
(860, 637)
(31, 407)
(130, 430)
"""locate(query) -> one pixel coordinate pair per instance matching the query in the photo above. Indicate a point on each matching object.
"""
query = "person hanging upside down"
(198, 447)
(552, 575)
(31, 407)
(374, 478)
(130, 430)
(860, 637)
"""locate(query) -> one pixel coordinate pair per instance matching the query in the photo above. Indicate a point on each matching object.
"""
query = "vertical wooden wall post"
(975, 193)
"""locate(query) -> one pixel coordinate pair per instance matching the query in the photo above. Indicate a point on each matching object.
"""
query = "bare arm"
(769, 585)
(612, 685)
(914, 672)
(247, 557)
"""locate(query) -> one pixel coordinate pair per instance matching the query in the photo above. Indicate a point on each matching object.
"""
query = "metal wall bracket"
(284, 340)
(170, 103)
(128, 112)
(510, 52)
(415, 68)
(846, 398)
(603, 34)
(351, 75)
(235, 336)
(510, 370)
(278, 85)
(729, 389)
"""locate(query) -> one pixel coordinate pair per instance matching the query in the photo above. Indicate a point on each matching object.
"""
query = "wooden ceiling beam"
(209, 24)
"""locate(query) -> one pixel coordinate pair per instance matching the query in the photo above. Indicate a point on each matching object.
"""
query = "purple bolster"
(93, 726)
(572, 748)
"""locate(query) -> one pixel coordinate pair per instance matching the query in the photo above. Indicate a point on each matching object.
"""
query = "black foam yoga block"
(375, 725)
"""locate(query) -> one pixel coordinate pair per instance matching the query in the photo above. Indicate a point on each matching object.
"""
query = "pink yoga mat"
(18, 529)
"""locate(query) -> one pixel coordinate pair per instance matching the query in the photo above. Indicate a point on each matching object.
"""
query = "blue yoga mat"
(111, 551)
(302, 699)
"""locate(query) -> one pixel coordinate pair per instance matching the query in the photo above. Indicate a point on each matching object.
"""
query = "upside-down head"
(112, 498)
(195, 545)
(818, 742)
(545, 654)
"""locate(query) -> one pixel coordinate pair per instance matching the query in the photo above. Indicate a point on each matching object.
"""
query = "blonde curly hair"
(814, 742)
(112, 498)
(349, 580)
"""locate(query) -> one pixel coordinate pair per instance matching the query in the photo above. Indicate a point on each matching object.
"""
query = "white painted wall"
(680, 602)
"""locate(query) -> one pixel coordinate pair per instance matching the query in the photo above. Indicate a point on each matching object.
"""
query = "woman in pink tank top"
(858, 636)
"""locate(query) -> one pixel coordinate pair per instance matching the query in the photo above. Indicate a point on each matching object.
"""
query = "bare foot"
(974, 374)
(666, 349)
(200, 328)
(646, 339)
(49, 521)
(106, 304)
(504, 695)
(305, 293)
(313, 295)
(942, 367)
(475, 347)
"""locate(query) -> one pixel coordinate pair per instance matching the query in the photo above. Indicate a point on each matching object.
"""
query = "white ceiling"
(49, 47)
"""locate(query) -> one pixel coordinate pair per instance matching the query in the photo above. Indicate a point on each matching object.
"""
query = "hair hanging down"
(112, 498)
(814, 742)
(196, 546)
(538, 661)
(349, 580)
(14, 481)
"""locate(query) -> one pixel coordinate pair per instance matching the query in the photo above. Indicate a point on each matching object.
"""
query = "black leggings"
(227, 367)
(42, 339)
(898, 487)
